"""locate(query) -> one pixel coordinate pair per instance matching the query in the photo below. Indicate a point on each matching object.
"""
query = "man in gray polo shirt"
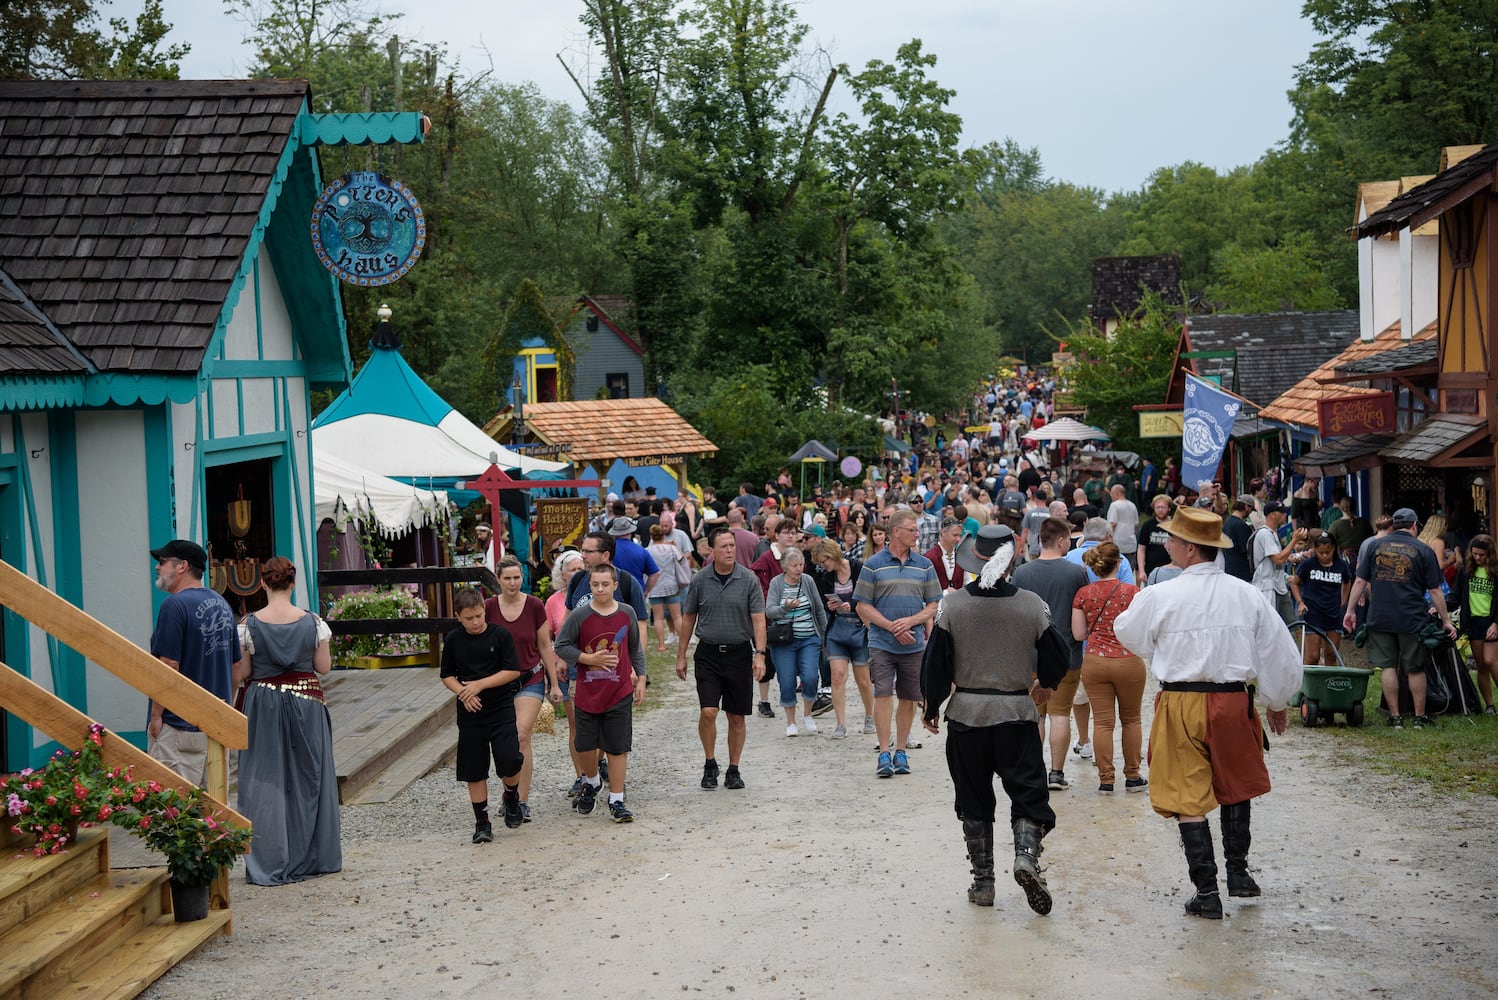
(726, 607)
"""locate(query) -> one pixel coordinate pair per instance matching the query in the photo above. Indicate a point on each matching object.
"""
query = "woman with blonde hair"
(1112, 675)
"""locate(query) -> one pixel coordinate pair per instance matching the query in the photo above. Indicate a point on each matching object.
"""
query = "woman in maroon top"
(1110, 672)
(524, 617)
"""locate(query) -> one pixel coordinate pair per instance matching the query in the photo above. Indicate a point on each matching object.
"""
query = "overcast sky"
(1108, 91)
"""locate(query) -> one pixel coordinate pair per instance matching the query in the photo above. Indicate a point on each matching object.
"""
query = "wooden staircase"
(71, 927)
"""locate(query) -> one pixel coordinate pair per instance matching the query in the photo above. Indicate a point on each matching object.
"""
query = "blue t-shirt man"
(195, 628)
(898, 589)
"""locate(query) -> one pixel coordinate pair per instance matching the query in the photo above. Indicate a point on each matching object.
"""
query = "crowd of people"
(969, 575)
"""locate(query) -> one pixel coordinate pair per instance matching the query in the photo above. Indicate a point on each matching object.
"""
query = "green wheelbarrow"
(1326, 692)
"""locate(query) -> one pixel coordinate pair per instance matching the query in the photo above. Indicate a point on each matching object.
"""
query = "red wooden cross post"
(494, 481)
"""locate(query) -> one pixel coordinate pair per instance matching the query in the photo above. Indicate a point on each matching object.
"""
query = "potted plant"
(385, 602)
(52, 802)
(182, 827)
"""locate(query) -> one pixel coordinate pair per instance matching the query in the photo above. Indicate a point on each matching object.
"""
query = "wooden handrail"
(123, 658)
(68, 726)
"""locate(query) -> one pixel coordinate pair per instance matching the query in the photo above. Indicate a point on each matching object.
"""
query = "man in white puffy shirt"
(1210, 640)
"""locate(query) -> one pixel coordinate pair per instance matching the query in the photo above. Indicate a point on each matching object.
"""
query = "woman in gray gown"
(288, 787)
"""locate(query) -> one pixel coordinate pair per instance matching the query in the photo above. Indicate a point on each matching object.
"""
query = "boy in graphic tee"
(480, 666)
(602, 640)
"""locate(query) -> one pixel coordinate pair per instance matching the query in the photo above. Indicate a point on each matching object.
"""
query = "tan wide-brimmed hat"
(1199, 527)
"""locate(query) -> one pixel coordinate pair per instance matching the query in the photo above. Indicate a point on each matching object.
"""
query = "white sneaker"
(1083, 750)
(791, 730)
(810, 726)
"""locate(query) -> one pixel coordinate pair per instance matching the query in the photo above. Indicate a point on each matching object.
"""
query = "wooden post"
(218, 788)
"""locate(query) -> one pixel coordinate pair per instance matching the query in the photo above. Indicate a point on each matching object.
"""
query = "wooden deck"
(390, 727)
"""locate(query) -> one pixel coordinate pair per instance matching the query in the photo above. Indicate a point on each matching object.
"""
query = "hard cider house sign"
(368, 229)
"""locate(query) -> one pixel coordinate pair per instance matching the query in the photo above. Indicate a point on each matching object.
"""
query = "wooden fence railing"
(224, 727)
(436, 583)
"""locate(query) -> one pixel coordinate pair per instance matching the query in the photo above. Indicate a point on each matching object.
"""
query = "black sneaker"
(1396, 722)
(584, 801)
(514, 815)
(619, 812)
(1136, 784)
(483, 833)
(577, 787)
(603, 770)
(1424, 722)
(1105, 789)
(710, 774)
(765, 711)
(822, 705)
(732, 778)
(1056, 781)
(525, 812)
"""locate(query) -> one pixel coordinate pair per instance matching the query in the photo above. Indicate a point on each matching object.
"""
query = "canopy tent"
(815, 452)
(390, 421)
(1066, 429)
(345, 492)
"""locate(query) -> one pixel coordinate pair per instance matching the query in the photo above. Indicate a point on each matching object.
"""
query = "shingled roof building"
(163, 319)
(1119, 285)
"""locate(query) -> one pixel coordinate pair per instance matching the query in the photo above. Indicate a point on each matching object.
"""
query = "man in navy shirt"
(195, 636)
(598, 548)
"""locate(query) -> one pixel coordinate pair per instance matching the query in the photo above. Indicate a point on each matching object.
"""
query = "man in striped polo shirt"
(896, 596)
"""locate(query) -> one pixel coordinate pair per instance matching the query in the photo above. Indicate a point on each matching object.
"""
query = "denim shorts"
(846, 641)
(535, 689)
(665, 601)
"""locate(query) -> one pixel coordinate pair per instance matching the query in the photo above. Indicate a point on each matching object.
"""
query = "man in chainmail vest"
(991, 645)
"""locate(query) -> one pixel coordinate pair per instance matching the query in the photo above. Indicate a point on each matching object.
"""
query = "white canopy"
(344, 491)
(390, 420)
(1065, 429)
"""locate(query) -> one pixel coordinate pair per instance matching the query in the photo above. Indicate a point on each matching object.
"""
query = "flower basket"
(385, 602)
(52, 802)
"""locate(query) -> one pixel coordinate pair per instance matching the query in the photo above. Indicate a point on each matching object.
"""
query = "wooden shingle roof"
(1120, 283)
(1271, 350)
(126, 208)
(1297, 405)
(606, 429)
(1426, 201)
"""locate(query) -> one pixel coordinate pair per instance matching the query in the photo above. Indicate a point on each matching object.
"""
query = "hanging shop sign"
(1372, 413)
(1162, 423)
(562, 521)
(368, 229)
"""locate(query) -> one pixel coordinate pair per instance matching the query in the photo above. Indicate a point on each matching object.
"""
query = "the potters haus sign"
(368, 229)
(1368, 414)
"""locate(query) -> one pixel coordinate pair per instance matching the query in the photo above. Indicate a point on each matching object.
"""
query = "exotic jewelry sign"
(368, 229)
(1368, 414)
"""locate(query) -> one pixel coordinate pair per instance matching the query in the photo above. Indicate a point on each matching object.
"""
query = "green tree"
(1132, 366)
(1408, 76)
(55, 39)
(1193, 211)
(1281, 278)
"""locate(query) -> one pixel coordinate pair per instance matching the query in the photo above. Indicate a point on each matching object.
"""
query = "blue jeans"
(799, 658)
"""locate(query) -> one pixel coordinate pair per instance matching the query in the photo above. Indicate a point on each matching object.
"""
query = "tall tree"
(56, 39)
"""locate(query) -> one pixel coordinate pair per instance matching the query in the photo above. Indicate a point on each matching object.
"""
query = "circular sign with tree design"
(368, 229)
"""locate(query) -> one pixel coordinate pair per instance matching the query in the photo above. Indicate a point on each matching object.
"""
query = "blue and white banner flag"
(1210, 413)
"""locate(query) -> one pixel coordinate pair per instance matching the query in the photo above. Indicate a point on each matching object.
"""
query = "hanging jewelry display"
(244, 574)
(239, 515)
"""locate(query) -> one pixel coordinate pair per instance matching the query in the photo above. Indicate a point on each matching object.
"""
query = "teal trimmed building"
(163, 321)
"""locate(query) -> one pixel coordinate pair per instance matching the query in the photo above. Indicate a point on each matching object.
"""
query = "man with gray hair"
(1095, 531)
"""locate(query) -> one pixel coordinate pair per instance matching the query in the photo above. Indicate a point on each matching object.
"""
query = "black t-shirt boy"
(470, 657)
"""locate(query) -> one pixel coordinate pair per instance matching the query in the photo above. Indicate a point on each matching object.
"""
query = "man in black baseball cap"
(194, 635)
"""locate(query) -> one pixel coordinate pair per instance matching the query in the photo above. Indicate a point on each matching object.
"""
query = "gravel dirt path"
(821, 880)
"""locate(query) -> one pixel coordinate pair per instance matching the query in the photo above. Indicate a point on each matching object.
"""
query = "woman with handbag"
(665, 596)
(847, 635)
(288, 785)
(1112, 675)
(795, 625)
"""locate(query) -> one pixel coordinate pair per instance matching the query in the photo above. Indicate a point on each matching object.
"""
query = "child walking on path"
(602, 639)
(480, 666)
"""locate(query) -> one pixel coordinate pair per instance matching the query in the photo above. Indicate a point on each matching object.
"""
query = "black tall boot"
(1236, 839)
(1196, 838)
(1027, 837)
(979, 836)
